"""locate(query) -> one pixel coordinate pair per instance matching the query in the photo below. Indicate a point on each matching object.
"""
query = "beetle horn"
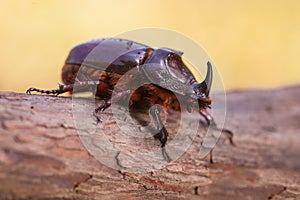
(206, 84)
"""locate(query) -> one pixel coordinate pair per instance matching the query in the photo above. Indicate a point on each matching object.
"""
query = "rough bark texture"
(43, 157)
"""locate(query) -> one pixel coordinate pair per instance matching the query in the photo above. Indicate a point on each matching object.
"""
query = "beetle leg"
(61, 89)
(64, 88)
(162, 135)
(211, 122)
(115, 98)
(211, 161)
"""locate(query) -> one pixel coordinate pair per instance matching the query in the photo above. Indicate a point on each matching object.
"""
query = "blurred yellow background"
(254, 43)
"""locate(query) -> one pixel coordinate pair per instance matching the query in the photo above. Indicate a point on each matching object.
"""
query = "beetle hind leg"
(79, 85)
(61, 89)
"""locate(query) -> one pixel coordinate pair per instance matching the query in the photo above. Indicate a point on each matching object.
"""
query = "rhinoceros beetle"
(161, 70)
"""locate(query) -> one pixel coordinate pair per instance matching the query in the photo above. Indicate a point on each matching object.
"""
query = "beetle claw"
(55, 92)
(229, 135)
(98, 120)
(32, 89)
(165, 155)
(28, 91)
(103, 107)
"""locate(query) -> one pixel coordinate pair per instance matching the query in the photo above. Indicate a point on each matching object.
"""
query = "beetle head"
(199, 92)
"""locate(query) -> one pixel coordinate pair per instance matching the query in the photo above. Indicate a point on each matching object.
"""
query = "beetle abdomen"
(105, 60)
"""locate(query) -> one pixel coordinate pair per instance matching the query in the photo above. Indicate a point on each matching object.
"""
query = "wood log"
(44, 156)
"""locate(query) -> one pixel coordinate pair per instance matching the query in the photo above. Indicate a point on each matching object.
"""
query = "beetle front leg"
(211, 122)
(162, 135)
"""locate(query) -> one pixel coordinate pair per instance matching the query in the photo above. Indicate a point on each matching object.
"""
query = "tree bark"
(44, 156)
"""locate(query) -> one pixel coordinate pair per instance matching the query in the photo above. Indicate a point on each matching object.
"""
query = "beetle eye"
(198, 93)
